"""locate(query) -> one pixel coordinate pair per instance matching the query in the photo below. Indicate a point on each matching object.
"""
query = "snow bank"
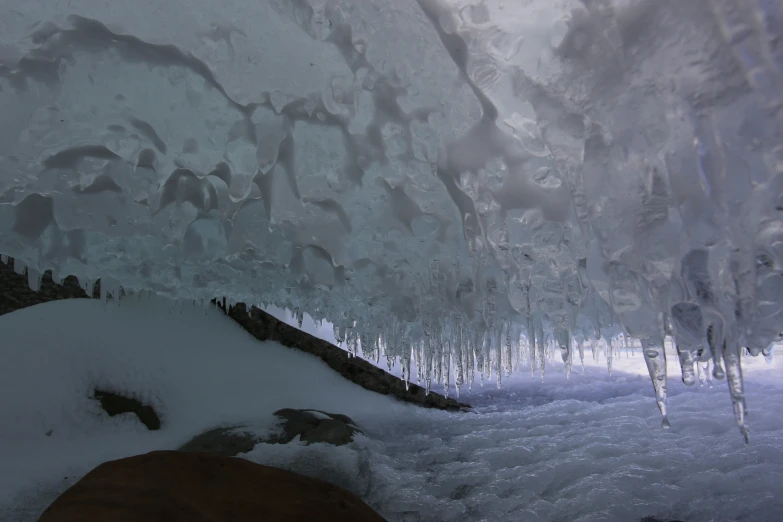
(589, 448)
(195, 366)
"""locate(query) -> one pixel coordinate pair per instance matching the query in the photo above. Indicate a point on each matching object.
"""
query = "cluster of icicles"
(464, 353)
(437, 353)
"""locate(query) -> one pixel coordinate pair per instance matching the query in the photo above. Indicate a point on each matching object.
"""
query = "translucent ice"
(448, 184)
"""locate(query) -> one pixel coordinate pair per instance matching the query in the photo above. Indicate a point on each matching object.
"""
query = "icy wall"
(439, 176)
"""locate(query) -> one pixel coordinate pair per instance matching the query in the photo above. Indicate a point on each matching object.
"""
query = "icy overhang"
(437, 173)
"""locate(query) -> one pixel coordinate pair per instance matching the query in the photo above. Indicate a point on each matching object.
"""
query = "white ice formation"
(442, 177)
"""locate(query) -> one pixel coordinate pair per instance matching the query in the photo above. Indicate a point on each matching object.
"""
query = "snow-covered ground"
(588, 448)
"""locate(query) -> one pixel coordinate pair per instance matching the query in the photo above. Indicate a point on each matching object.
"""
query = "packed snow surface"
(589, 448)
(429, 176)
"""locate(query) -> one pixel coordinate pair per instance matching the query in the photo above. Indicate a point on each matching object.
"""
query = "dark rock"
(335, 429)
(169, 486)
(653, 519)
(230, 441)
(330, 431)
(114, 404)
(15, 292)
(294, 422)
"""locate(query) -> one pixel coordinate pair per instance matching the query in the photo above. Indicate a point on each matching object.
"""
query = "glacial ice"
(451, 181)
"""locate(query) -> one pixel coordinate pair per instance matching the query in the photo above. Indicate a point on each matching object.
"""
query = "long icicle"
(655, 357)
(731, 356)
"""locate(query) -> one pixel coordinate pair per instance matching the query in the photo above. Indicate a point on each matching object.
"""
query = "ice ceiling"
(439, 176)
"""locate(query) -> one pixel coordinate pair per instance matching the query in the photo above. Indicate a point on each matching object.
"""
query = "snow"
(588, 448)
(197, 367)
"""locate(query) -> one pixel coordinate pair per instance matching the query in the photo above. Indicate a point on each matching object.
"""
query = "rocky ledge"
(265, 327)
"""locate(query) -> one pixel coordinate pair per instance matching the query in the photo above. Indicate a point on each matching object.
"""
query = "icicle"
(768, 353)
(539, 326)
(339, 333)
(731, 356)
(655, 357)
(686, 363)
(564, 340)
(705, 375)
(436, 357)
(459, 378)
(368, 345)
(715, 340)
(407, 367)
(354, 342)
(470, 360)
(34, 279)
(427, 350)
(478, 352)
(447, 372)
(18, 266)
(531, 341)
(609, 355)
(581, 347)
(490, 350)
(418, 360)
(88, 287)
(497, 355)
(508, 350)
(299, 315)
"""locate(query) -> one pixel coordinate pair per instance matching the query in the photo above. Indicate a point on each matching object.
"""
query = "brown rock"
(170, 486)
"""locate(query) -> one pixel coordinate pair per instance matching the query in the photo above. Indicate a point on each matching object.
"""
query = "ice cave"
(556, 224)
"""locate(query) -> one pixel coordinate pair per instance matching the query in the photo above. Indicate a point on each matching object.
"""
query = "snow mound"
(197, 368)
